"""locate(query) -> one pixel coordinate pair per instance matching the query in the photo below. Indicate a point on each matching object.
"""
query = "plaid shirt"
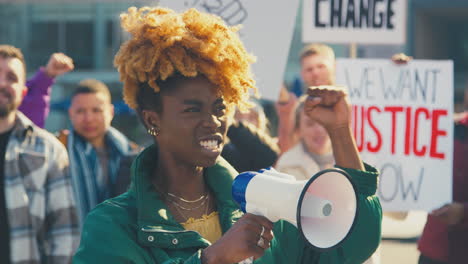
(40, 206)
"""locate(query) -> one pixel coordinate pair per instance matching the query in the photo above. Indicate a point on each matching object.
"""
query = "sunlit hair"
(166, 44)
(10, 52)
(317, 49)
(92, 86)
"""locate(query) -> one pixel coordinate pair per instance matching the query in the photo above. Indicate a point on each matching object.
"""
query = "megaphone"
(323, 208)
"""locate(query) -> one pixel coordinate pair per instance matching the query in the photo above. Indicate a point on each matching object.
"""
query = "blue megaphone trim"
(239, 186)
(266, 169)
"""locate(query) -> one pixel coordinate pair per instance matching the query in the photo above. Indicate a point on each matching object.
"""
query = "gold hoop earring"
(154, 131)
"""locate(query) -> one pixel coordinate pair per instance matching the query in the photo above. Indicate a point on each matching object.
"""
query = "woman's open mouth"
(212, 144)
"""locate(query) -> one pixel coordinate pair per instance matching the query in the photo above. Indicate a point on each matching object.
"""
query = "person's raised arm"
(285, 108)
(330, 107)
(36, 103)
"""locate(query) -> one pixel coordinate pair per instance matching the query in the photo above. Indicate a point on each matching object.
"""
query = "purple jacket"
(36, 103)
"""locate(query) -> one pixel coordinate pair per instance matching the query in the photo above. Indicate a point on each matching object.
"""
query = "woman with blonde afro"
(184, 73)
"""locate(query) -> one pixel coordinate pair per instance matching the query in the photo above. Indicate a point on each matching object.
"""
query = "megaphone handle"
(247, 261)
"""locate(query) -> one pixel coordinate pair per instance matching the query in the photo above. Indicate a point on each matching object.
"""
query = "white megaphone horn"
(323, 208)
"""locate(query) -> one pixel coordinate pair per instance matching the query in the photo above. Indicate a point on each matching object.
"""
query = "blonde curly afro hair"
(165, 43)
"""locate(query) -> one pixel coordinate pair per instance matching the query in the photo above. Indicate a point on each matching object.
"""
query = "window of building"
(79, 43)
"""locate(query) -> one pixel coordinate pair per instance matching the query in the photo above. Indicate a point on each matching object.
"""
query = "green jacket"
(136, 227)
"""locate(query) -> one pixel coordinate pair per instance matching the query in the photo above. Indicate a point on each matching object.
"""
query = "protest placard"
(403, 124)
(354, 21)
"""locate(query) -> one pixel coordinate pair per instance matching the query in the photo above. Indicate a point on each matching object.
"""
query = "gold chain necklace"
(184, 216)
(192, 208)
(188, 201)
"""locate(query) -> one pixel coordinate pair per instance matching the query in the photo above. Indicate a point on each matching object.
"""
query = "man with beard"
(38, 220)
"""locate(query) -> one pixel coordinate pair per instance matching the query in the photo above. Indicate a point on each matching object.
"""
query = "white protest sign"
(354, 21)
(267, 28)
(403, 124)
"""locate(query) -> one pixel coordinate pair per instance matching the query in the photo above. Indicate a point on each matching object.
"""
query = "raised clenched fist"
(59, 64)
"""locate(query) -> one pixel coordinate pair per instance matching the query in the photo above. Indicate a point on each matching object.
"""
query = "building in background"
(438, 31)
(89, 32)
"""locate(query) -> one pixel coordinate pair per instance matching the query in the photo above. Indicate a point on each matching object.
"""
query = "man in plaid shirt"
(38, 221)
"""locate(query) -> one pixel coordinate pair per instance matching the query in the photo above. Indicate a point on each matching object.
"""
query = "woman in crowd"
(312, 153)
(184, 73)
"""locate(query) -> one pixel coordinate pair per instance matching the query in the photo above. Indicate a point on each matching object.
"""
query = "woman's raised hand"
(329, 106)
(248, 237)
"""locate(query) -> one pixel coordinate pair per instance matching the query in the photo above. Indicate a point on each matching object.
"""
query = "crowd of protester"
(51, 181)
